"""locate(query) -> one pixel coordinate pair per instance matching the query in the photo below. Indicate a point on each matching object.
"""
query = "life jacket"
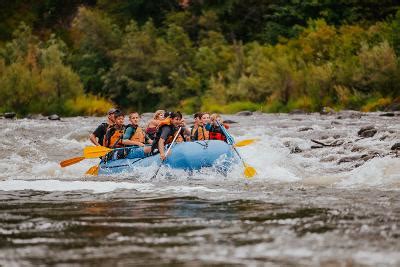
(113, 137)
(216, 133)
(139, 135)
(193, 132)
(179, 139)
(166, 121)
(202, 133)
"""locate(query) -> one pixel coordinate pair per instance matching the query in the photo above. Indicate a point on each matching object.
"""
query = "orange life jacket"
(202, 133)
(139, 135)
(113, 137)
(166, 121)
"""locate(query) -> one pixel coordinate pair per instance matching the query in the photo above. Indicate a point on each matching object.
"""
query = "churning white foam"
(27, 156)
(376, 172)
(99, 187)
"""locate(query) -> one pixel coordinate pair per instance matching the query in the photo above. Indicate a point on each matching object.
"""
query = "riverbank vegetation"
(223, 56)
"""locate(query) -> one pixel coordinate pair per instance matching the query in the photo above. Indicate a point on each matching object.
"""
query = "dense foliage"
(223, 55)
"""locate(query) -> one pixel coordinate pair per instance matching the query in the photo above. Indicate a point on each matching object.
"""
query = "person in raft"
(97, 136)
(135, 136)
(201, 133)
(151, 128)
(167, 129)
(193, 130)
(214, 130)
(115, 133)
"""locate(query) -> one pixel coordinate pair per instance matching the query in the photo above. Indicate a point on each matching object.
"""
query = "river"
(308, 205)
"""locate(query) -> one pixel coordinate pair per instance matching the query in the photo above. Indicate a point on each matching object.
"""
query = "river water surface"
(309, 205)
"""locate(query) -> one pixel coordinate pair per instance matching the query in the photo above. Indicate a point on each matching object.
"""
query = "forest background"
(213, 55)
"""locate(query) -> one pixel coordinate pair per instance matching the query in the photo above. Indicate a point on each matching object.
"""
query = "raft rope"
(205, 145)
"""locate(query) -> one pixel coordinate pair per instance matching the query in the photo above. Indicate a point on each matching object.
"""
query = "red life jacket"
(217, 136)
(215, 133)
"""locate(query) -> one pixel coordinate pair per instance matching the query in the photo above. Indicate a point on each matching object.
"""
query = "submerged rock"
(10, 115)
(36, 117)
(369, 156)
(315, 147)
(328, 159)
(296, 149)
(297, 111)
(389, 114)
(395, 146)
(368, 131)
(244, 113)
(54, 117)
(229, 121)
(304, 129)
(349, 159)
(357, 149)
(349, 114)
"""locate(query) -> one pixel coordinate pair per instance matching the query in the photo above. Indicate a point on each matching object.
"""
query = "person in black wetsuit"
(167, 129)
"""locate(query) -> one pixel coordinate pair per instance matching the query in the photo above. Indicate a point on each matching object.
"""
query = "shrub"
(230, 108)
(376, 104)
(88, 105)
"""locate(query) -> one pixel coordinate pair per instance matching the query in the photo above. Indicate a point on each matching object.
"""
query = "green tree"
(94, 35)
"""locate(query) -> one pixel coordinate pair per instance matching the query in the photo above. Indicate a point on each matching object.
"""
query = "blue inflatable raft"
(188, 156)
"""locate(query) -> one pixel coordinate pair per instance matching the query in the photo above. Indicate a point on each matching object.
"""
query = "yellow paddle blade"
(245, 142)
(92, 152)
(94, 170)
(249, 171)
(68, 162)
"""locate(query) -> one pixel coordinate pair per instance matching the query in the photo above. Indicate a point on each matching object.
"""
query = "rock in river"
(244, 113)
(54, 117)
(368, 131)
(304, 129)
(36, 117)
(389, 114)
(230, 121)
(297, 111)
(10, 115)
(395, 146)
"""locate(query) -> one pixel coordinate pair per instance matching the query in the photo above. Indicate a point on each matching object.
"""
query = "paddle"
(98, 151)
(249, 171)
(245, 142)
(94, 170)
(72, 161)
(166, 154)
(90, 152)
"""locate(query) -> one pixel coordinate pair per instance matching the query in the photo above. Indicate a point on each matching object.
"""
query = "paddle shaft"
(232, 143)
(230, 140)
(166, 155)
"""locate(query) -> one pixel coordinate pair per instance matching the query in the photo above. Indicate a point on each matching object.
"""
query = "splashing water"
(305, 206)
